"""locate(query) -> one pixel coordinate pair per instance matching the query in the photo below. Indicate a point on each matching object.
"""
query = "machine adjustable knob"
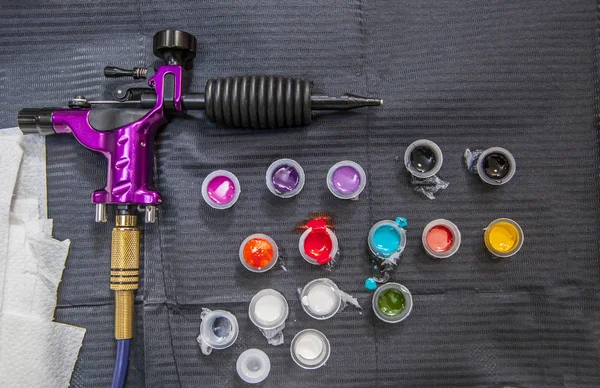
(175, 47)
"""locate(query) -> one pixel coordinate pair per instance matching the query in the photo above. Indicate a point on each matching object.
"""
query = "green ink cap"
(392, 302)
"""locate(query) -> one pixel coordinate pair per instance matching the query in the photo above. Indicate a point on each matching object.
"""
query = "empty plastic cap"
(253, 366)
(219, 329)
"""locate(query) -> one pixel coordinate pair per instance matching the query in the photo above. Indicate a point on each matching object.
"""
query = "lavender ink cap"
(346, 179)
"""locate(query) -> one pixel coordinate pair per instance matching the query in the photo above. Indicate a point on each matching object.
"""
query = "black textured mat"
(521, 75)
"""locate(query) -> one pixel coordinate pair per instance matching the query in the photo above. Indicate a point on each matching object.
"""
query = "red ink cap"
(318, 244)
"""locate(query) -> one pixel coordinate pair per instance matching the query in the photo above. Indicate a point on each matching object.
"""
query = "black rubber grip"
(36, 121)
(258, 101)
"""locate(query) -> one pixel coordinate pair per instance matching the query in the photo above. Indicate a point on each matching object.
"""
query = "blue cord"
(121, 364)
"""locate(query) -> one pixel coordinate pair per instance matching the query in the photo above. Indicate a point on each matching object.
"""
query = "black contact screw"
(136, 72)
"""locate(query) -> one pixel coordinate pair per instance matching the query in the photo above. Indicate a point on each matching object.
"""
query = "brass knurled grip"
(125, 255)
(124, 272)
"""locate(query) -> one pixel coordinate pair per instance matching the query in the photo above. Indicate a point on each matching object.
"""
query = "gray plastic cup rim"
(210, 177)
(361, 174)
(503, 255)
(408, 300)
(439, 158)
(401, 232)
(307, 258)
(275, 253)
(209, 336)
(512, 166)
(258, 357)
(456, 238)
(256, 321)
(320, 360)
(328, 283)
(281, 162)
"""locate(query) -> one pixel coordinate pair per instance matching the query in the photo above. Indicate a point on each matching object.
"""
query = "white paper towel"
(10, 160)
(31, 182)
(35, 266)
(34, 350)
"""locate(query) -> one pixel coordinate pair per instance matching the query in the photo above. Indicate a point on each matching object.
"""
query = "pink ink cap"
(221, 189)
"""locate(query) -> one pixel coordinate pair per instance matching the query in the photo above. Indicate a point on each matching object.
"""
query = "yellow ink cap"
(503, 237)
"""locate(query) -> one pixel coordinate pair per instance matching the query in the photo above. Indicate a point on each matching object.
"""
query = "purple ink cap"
(285, 178)
(220, 189)
(346, 179)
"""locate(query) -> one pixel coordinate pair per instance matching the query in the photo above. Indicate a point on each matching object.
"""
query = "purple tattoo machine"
(125, 133)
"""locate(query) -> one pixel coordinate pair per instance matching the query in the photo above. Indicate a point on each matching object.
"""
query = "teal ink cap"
(371, 284)
(402, 222)
(387, 238)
